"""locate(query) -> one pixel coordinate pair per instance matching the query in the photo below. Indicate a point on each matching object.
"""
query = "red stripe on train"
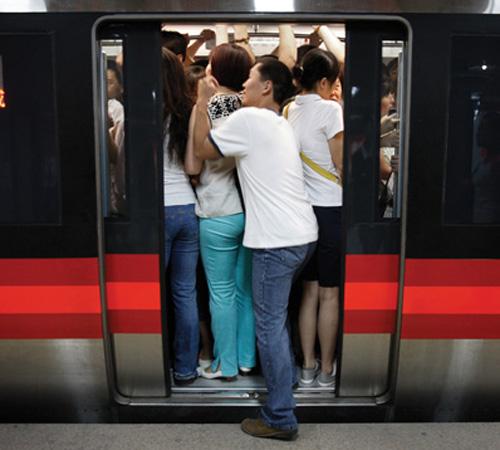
(451, 326)
(133, 293)
(76, 326)
(371, 268)
(49, 271)
(132, 296)
(451, 299)
(370, 293)
(50, 326)
(369, 322)
(61, 299)
(50, 298)
(129, 267)
(452, 272)
(371, 296)
(136, 322)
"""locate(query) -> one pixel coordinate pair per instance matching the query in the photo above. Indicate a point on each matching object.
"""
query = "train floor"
(428, 436)
(250, 382)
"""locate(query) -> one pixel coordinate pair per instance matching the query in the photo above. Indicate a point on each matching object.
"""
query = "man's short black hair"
(175, 42)
(270, 69)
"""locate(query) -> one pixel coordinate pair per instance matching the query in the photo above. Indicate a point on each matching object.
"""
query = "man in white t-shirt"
(280, 226)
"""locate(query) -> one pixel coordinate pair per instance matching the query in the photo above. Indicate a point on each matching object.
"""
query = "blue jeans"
(228, 268)
(181, 252)
(273, 273)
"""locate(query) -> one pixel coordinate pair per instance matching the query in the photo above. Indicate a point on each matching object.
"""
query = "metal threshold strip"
(233, 399)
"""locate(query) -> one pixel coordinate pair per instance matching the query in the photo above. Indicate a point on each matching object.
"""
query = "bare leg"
(308, 316)
(328, 321)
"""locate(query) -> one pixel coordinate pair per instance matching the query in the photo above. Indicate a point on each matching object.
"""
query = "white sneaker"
(307, 376)
(328, 380)
(215, 375)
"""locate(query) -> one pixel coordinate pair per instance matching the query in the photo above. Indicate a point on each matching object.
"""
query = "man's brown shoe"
(257, 428)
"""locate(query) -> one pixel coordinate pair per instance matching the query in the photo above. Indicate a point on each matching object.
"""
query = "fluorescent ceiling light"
(274, 5)
(23, 6)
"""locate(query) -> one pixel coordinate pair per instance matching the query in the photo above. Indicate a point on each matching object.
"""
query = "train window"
(390, 137)
(114, 185)
(29, 157)
(472, 183)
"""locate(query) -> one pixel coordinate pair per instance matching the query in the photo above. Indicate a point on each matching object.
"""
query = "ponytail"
(316, 65)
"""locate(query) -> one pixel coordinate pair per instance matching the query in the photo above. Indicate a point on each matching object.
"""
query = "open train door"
(130, 207)
(372, 240)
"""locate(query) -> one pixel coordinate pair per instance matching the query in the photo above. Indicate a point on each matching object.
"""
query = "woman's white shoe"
(215, 375)
(204, 363)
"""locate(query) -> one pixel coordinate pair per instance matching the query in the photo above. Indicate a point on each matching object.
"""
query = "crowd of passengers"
(253, 185)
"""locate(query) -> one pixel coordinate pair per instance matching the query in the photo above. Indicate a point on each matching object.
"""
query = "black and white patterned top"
(223, 105)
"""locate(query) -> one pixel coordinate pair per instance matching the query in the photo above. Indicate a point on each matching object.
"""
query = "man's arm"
(202, 145)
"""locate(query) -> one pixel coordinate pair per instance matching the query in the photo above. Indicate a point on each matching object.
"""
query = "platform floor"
(427, 436)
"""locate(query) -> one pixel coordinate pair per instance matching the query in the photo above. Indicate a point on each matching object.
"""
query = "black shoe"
(184, 381)
(257, 428)
(245, 372)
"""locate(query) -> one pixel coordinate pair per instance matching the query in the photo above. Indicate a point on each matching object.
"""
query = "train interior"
(141, 362)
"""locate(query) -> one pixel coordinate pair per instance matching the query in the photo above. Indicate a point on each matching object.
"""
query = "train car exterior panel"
(448, 380)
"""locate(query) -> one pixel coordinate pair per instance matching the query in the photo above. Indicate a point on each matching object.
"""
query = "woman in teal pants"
(227, 263)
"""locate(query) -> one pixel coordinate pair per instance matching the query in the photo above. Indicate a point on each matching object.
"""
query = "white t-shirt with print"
(278, 213)
(217, 193)
(315, 121)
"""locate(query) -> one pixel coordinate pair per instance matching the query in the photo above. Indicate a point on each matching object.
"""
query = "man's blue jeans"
(181, 253)
(273, 273)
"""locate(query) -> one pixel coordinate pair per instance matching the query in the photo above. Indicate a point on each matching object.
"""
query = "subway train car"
(85, 316)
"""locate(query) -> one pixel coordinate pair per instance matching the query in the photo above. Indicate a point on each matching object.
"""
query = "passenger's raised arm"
(205, 35)
(287, 49)
(241, 38)
(332, 43)
(221, 34)
(203, 148)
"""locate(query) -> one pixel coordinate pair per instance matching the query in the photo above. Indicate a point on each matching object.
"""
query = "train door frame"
(118, 397)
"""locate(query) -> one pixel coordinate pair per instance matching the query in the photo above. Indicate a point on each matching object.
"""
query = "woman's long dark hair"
(177, 105)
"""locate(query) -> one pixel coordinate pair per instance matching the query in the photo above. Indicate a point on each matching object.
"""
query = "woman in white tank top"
(181, 223)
